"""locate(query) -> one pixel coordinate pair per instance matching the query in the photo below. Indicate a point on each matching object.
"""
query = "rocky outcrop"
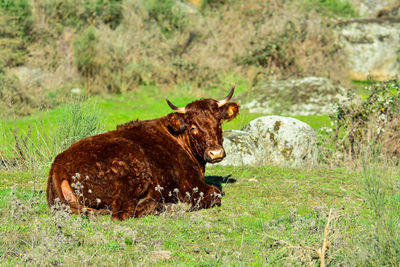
(286, 141)
(372, 48)
(370, 8)
(307, 96)
(242, 149)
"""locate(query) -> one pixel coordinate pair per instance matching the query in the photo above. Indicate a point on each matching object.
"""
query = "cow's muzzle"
(214, 155)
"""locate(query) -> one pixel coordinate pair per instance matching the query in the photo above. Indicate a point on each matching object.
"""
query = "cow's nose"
(215, 155)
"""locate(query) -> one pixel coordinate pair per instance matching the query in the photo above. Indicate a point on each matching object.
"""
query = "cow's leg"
(126, 197)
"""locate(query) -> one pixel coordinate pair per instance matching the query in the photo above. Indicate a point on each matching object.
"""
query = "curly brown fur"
(142, 165)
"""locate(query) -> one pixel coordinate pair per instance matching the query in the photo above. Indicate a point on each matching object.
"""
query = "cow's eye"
(194, 130)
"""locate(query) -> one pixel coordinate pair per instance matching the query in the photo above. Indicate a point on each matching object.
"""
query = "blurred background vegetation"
(50, 48)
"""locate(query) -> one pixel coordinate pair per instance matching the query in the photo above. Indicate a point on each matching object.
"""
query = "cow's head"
(200, 122)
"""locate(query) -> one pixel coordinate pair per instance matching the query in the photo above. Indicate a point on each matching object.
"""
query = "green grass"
(261, 206)
(148, 103)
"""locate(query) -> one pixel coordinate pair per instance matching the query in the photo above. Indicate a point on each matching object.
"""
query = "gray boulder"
(286, 141)
(371, 47)
(242, 149)
(370, 8)
(307, 96)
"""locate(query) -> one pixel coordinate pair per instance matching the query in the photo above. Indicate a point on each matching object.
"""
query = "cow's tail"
(61, 189)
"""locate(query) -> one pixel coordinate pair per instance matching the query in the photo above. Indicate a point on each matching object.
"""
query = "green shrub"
(18, 16)
(373, 123)
(78, 13)
(108, 11)
(13, 51)
(277, 51)
(78, 122)
(85, 52)
(167, 14)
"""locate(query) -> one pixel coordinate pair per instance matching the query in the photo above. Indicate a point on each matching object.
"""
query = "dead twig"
(325, 244)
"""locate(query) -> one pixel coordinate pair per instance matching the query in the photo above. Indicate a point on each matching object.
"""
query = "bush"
(79, 121)
(278, 51)
(85, 52)
(13, 52)
(18, 17)
(78, 13)
(167, 14)
(373, 123)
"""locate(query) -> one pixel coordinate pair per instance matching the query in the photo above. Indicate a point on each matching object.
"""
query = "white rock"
(371, 48)
(286, 141)
(242, 149)
(369, 8)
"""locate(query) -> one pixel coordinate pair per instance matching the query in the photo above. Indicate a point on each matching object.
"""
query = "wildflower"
(195, 190)
(176, 190)
(159, 188)
(201, 194)
(98, 201)
(89, 191)
(217, 195)
(187, 194)
(77, 175)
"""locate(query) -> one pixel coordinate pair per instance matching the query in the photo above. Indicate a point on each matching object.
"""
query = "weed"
(34, 149)
(370, 124)
(167, 14)
(78, 13)
(79, 122)
(279, 51)
(85, 53)
(18, 14)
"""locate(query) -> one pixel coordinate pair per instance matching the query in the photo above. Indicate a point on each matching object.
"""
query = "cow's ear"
(176, 122)
(229, 111)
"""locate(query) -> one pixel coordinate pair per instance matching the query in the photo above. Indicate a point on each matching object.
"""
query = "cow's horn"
(177, 109)
(227, 98)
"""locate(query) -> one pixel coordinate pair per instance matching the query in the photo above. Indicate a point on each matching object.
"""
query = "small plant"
(18, 15)
(78, 13)
(79, 121)
(278, 52)
(372, 124)
(167, 14)
(85, 49)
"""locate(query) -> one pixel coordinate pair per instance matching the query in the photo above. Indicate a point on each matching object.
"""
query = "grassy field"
(269, 215)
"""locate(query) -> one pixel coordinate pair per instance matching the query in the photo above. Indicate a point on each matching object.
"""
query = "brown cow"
(142, 165)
